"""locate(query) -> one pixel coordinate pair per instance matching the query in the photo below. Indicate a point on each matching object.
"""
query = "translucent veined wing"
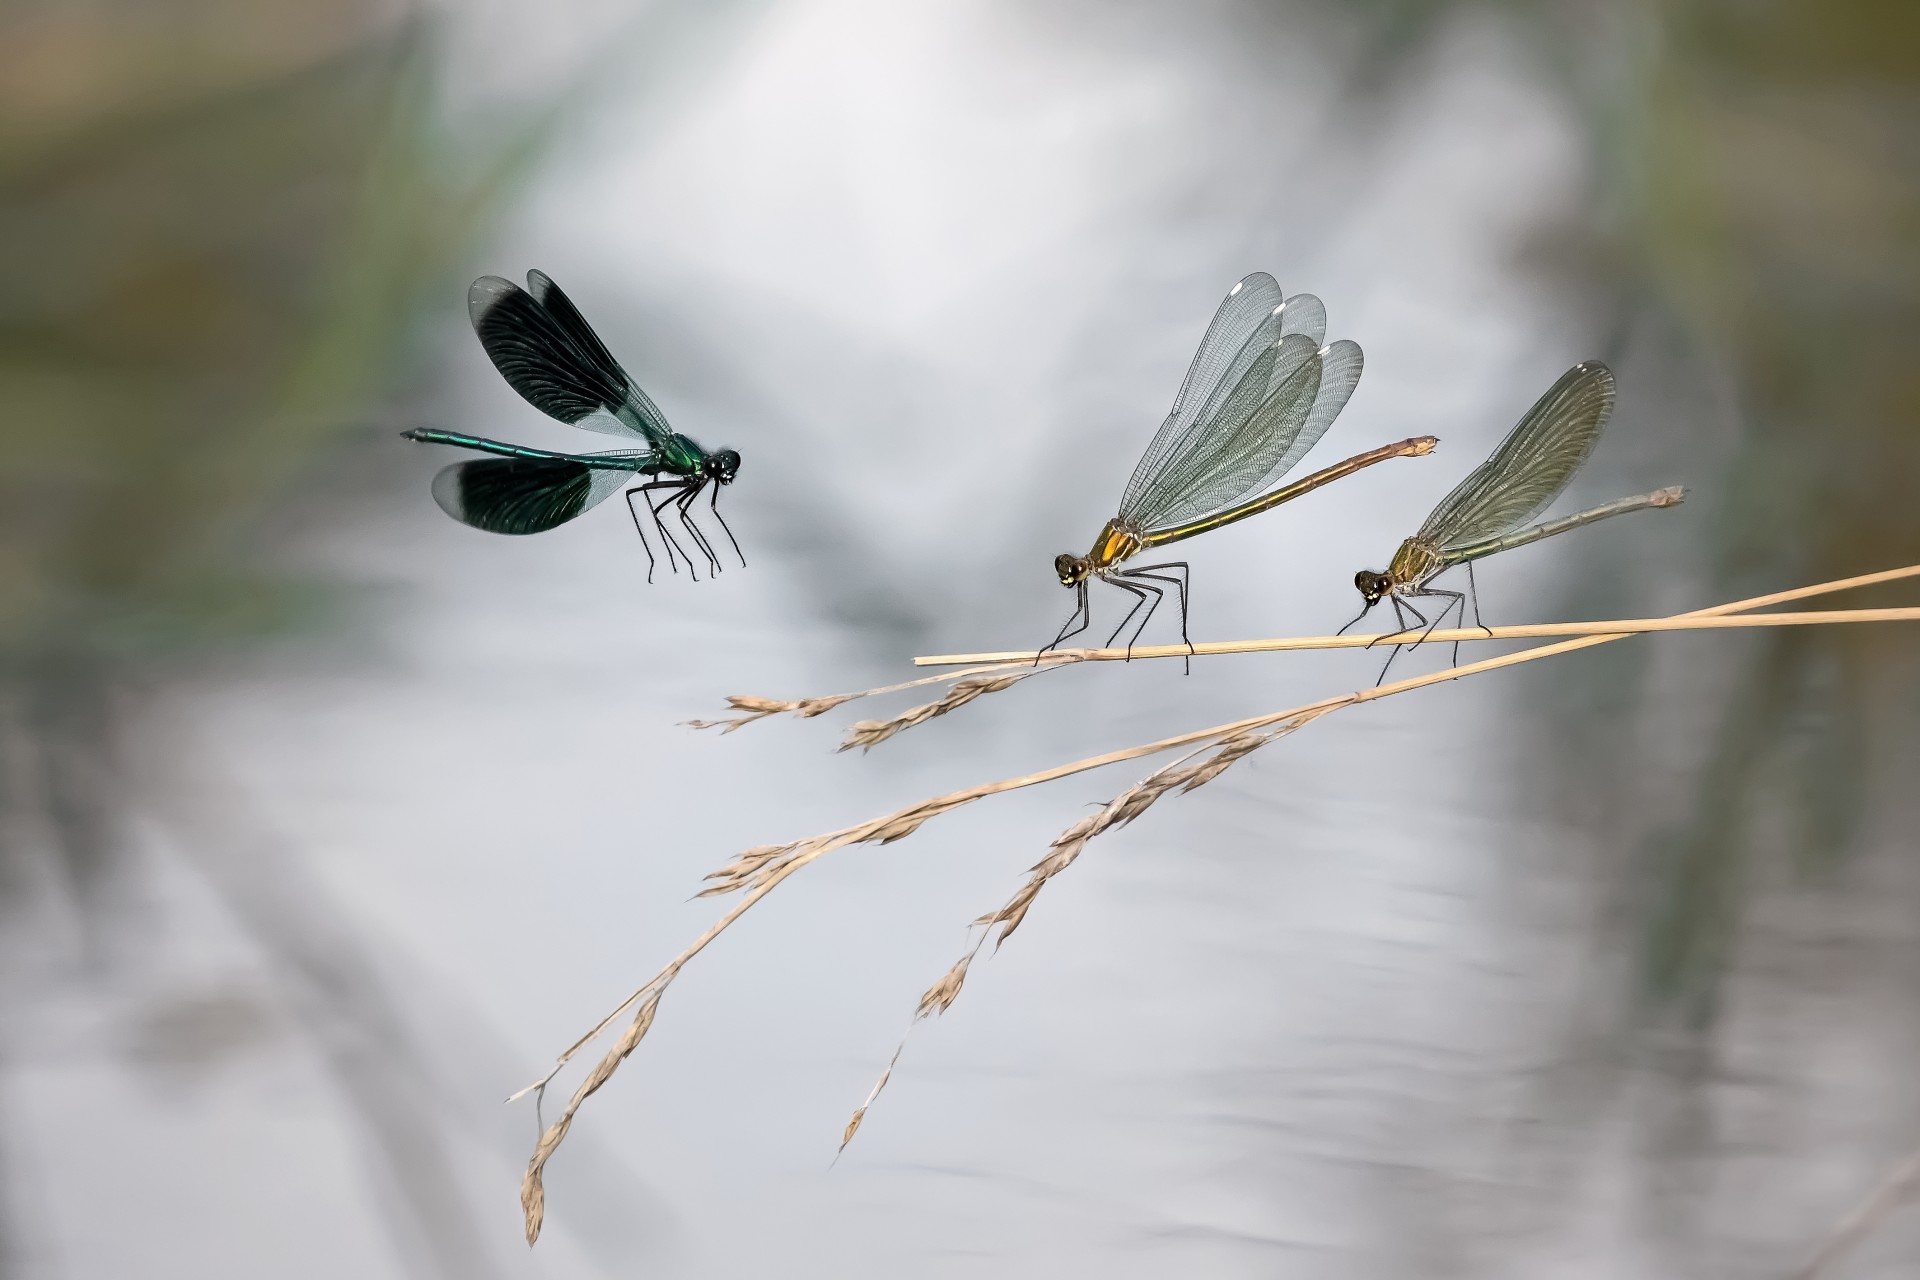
(1246, 306)
(1531, 466)
(1241, 327)
(523, 495)
(1241, 440)
(1304, 313)
(1340, 366)
(549, 354)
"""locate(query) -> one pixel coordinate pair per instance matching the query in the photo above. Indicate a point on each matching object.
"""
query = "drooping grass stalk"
(806, 708)
(992, 672)
(992, 678)
(758, 871)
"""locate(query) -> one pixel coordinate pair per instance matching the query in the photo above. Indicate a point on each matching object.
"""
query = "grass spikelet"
(760, 870)
(761, 708)
(997, 678)
(910, 820)
(1008, 917)
(533, 1190)
(866, 734)
(741, 871)
(860, 1112)
(939, 997)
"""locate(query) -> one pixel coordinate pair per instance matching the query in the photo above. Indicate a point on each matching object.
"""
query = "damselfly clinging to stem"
(1261, 391)
(1489, 510)
(547, 352)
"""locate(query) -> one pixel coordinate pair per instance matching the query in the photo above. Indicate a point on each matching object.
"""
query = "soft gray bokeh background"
(1374, 1004)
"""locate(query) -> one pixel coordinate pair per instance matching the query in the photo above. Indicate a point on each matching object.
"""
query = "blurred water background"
(329, 821)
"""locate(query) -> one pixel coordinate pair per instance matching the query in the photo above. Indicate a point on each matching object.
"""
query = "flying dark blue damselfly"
(1489, 510)
(546, 351)
(1261, 391)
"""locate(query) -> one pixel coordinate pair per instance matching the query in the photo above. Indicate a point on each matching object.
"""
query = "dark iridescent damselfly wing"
(546, 351)
(1531, 466)
(1245, 415)
(523, 495)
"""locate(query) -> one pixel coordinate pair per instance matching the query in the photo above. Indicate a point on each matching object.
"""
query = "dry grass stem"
(806, 708)
(761, 870)
(860, 1112)
(760, 708)
(740, 873)
(533, 1190)
(1526, 631)
(1897, 1188)
(1065, 850)
(868, 733)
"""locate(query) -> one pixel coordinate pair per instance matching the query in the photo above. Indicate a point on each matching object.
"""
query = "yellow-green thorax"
(1413, 564)
(1117, 541)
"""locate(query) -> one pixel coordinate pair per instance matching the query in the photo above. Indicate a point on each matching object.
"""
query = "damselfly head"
(1073, 570)
(1373, 586)
(722, 466)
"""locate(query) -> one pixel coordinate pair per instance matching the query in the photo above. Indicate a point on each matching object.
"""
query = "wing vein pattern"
(1260, 393)
(1532, 465)
(547, 352)
(523, 495)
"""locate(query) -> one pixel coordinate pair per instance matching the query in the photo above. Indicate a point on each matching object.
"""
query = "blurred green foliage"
(220, 223)
(1754, 209)
(222, 220)
(1769, 158)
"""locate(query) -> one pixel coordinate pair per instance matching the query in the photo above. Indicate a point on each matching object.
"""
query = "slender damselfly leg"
(1158, 595)
(1475, 593)
(714, 505)
(1082, 613)
(1400, 618)
(1178, 581)
(1399, 603)
(677, 500)
(1460, 606)
(1365, 609)
(635, 513)
(675, 487)
(682, 505)
(1454, 599)
(1457, 605)
(666, 535)
(1142, 591)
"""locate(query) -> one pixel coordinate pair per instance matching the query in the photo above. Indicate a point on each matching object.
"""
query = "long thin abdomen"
(1410, 448)
(634, 460)
(480, 444)
(1671, 496)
